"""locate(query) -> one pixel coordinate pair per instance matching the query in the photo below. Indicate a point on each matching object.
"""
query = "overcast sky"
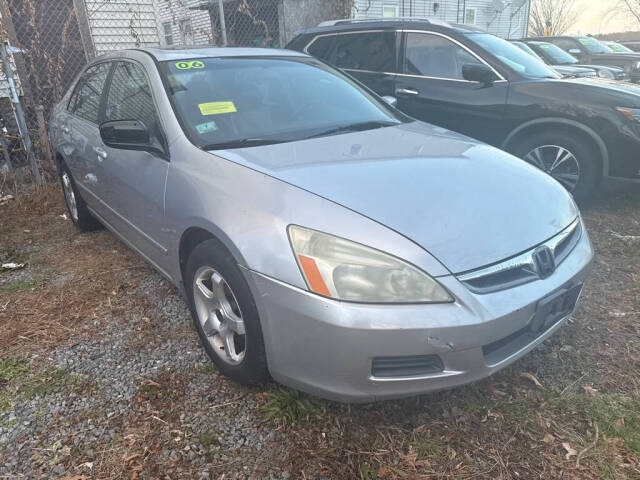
(598, 16)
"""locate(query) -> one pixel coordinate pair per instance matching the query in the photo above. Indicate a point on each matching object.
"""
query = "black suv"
(466, 80)
(590, 50)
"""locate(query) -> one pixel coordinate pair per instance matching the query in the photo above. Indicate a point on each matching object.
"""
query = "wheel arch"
(582, 129)
(198, 233)
(59, 160)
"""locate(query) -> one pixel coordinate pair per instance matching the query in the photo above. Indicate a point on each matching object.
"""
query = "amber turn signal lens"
(310, 269)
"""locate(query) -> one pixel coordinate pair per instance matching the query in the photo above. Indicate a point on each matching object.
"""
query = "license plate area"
(553, 308)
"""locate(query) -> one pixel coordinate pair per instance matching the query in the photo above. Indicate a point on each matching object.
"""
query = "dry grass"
(74, 278)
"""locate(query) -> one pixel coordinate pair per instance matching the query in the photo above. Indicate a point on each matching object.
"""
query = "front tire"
(225, 314)
(566, 157)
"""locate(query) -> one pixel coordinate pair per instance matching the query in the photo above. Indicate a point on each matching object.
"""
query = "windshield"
(526, 48)
(555, 54)
(593, 46)
(246, 101)
(619, 48)
(512, 56)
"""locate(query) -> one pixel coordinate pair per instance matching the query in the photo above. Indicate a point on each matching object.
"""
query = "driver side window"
(434, 56)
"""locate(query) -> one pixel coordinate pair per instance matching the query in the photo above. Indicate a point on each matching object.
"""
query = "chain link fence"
(56, 39)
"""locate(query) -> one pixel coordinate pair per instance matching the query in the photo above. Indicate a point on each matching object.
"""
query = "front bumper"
(326, 347)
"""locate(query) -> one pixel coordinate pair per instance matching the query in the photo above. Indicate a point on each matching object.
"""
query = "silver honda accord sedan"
(319, 236)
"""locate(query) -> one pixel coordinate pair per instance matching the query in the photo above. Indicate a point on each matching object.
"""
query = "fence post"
(82, 17)
(223, 25)
(45, 147)
(19, 113)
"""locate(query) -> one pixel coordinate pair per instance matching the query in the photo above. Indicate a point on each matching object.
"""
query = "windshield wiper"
(243, 143)
(355, 127)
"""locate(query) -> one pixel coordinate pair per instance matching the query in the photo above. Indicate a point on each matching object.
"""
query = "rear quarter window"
(370, 51)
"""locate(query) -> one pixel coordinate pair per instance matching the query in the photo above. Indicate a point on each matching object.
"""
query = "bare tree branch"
(632, 7)
(561, 14)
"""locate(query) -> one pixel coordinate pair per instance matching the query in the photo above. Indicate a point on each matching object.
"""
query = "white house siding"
(175, 12)
(503, 18)
(117, 24)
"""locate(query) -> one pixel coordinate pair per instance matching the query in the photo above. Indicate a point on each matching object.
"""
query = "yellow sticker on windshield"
(189, 64)
(216, 108)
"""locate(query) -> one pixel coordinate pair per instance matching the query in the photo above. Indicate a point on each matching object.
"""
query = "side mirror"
(393, 101)
(129, 135)
(478, 72)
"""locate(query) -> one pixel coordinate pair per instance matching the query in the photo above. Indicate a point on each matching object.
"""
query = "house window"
(167, 31)
(390, 10)
(470, 16)
(186, 31)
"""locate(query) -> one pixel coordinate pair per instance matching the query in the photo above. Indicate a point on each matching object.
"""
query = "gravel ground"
(102, 376)
(119, 375)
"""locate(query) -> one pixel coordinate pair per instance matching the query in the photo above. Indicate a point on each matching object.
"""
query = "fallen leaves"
(570, 451)
(531, 378)
(589, 391)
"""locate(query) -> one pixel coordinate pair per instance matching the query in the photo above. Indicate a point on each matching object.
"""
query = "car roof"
(181, 53)
(347, 25)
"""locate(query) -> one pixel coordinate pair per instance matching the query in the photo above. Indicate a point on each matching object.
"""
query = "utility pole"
(19, 113)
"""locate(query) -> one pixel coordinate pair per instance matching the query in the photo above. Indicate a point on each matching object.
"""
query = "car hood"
(466, 203)
(599, 67)
(616, 56)
(573, 70)
(612, 86)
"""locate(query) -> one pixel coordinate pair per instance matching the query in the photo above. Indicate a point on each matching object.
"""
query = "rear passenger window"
(322, 47)
(85, 101)
(373, 51)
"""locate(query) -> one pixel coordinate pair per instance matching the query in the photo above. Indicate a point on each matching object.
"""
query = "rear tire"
(225, 314)
(565, 156)
(76, 206)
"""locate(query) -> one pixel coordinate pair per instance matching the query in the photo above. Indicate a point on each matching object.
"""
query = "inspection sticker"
(216, 108)
(189, 64)
(206, 127)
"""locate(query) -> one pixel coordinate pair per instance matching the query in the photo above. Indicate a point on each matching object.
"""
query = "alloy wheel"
(69, 196)
(219, 315)
(558, 162)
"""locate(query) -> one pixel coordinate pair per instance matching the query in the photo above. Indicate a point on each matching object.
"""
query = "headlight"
(345, 270)
(632, 114)
(605, 73)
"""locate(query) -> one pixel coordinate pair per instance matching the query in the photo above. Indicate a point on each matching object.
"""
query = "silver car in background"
(319, 235)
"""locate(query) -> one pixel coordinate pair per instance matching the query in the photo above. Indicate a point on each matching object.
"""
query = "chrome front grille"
(522, 268)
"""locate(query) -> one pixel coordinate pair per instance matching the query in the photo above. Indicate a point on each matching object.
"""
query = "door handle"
(65, 130)
(407, 91)
(100, 152)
